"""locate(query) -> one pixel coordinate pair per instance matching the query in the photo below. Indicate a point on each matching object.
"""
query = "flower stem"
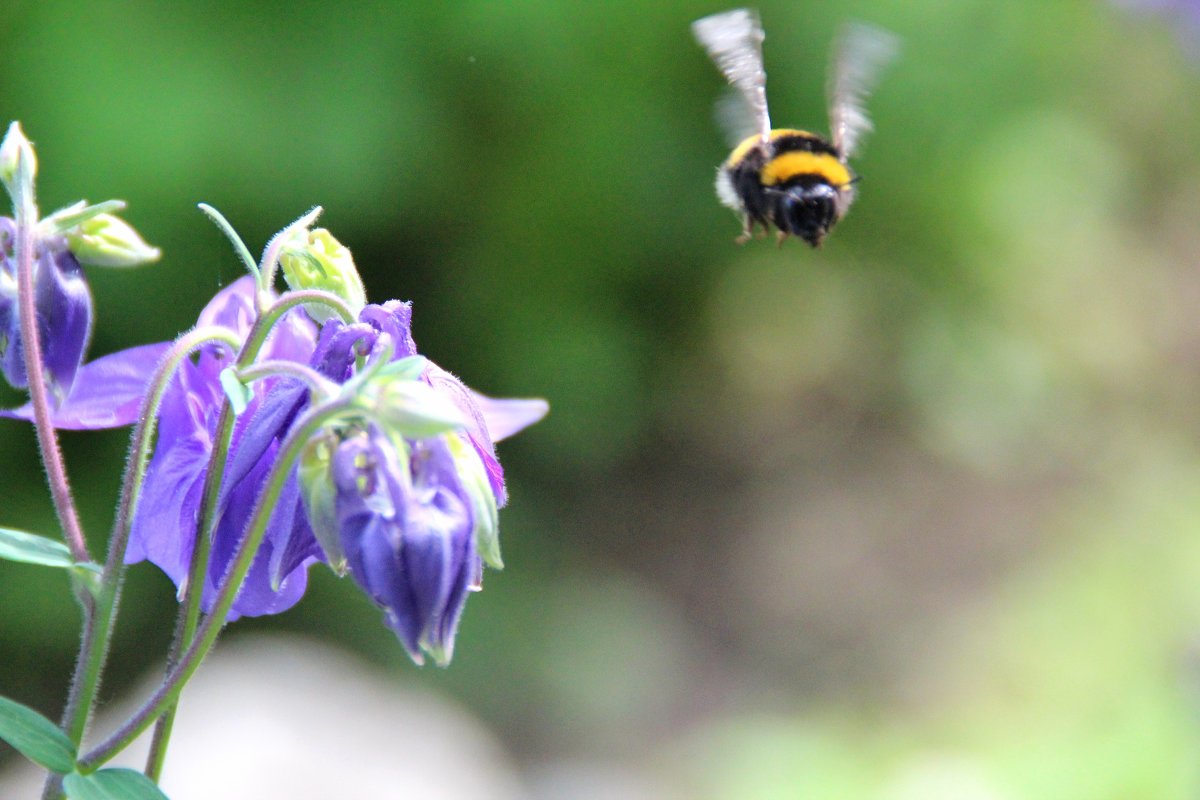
(270, 257)
(168, 693)
(188, 618)
(85, 683)
(26, 212)
(239, 246)
(315, 381)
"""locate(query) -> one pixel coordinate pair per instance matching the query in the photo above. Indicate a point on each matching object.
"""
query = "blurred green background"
(913, 516)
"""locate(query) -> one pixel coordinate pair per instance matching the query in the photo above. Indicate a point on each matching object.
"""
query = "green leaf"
(111, 784)
(35, 737)
(33, 549)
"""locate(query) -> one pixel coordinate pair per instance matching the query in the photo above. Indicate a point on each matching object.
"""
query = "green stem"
(168, 693)
(239, 246)
(270, 259)
(86, 682)
(314, 380)
(188, 618)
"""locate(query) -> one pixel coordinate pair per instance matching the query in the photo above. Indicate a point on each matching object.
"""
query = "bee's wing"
(861, 54)
(735, 117)
(734, 40)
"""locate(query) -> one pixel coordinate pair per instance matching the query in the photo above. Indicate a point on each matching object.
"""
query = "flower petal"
(106, 393)
(507, 417)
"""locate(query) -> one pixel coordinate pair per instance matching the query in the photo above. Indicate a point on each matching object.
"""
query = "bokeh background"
(913, 516)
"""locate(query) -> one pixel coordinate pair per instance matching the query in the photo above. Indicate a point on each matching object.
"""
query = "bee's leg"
(747, 230)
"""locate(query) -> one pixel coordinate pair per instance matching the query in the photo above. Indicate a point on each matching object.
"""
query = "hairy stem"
(168, 693)
(52, 459)
(85, 684)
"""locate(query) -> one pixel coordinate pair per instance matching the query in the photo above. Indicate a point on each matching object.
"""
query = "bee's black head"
(807, 208)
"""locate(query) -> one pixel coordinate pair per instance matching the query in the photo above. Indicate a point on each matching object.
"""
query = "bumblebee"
(792, 180)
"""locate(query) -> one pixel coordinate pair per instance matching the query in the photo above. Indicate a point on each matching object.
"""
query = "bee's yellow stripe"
(787, 166)
(750, 142)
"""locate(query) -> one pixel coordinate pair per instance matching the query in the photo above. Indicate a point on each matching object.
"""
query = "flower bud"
(108, 241)
(16, 153)
(63, 305)
(316, 260)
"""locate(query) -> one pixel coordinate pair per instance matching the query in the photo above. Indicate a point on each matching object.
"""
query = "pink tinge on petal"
(509, 416)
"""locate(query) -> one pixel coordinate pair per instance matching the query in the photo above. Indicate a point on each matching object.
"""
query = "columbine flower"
(406, 526)
(405, 499)
(63, 306)
(164, 528)
(408, 501)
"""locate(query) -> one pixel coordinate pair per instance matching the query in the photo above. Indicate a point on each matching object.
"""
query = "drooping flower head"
(402, 492)
(60, 243)
(407, 498)
(63, 307)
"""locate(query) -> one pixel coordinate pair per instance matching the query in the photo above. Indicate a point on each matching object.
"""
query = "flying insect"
(798, 182)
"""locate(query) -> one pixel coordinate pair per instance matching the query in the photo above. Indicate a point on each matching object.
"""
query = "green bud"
(108, 241)
(64, 219)
(18, 164)
(316, 260)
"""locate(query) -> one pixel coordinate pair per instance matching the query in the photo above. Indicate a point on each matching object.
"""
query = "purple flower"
(63, 307)
(411, 516)
(107, 392)
(165, 525)
(407, 531)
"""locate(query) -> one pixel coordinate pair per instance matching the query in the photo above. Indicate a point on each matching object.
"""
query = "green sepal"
(111, 784)
(316, 260)
(75, 214)
(320, 495)
(409, 368)
(106, 240)
(35, 737)
(239, 393)
(412, 409)
(483, 500)
(18, 165)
